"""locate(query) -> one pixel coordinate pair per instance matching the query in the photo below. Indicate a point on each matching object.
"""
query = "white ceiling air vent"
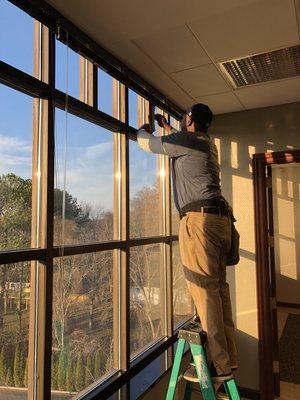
(278, 64)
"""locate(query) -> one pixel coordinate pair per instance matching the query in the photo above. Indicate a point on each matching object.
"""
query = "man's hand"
(146, 127)
(161, 120)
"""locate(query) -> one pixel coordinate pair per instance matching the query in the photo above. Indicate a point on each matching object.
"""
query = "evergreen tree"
(54, 375)
(3, 367)
(70, 376)
(18, 367)
(9, 377)
(26, 374)
(79, 373)
(97, 364)
(62, 369)
(89, 371)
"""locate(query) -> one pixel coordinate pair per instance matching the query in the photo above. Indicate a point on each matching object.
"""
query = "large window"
(86, 249)
(15, 169)
(145, 193)
(16, 44)
(146, 175)
(67, 70)
(105, 92)
(83, 195)
(83, 330)
(15, 293)
(146, 296)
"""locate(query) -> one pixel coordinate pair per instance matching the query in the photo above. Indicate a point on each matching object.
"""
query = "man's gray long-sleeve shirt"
(195, 167)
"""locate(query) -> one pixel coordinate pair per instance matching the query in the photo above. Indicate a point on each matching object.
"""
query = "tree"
(26, 374)
(9, 378)
(18, 367)
(62, 367)
(15, 211)
(98, 364)
(79, 373)
(70, 376)
(54, 375)
(73, 210)
(89, 371)
(15, 224)
(3, 366)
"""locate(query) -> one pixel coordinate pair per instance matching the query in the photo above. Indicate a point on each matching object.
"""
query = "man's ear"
(189, 120)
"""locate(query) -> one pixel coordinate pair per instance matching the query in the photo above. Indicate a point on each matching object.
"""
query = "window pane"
(182, 302)
(146, 172)
(157, 128)
(15, 169)
(133, 108)
(145, 199)
(86, 162)
(82, 341)
(105, 91)
(14, 328)
(16, 37)
(66, 70)
(146, 296)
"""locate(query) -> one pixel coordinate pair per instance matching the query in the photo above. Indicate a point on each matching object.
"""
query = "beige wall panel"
(239, 135)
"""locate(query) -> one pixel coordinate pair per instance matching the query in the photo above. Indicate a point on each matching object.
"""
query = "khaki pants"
(204, 241)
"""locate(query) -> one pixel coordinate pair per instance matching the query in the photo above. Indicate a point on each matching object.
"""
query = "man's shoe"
(191, 374)
(222, 377)
(219, 377)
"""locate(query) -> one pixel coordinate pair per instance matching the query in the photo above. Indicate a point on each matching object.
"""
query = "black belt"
(208, 210)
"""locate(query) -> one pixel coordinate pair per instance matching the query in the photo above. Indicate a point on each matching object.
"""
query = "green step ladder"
(195, 337)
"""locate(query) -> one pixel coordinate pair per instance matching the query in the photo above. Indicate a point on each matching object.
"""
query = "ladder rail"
(175, 369)
(205, 381)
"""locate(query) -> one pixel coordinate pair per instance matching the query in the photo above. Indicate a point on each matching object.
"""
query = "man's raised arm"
(150, 143)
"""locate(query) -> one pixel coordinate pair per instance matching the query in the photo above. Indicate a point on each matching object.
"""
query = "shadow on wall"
(238, 136)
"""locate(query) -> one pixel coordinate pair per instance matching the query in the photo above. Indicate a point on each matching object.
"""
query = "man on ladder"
(205, 229)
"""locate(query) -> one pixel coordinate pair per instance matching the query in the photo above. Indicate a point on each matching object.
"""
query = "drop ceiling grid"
(277, 23)
(148, 46)
(163, 71)
(224, 77)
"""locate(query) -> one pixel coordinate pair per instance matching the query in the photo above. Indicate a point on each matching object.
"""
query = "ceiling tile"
(137, 18)
(222, 103)
(174, 49)
(201, 81)
(248, 29)
(269, 94)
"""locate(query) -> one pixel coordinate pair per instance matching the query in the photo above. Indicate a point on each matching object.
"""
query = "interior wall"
(286, 210)
(239, 135)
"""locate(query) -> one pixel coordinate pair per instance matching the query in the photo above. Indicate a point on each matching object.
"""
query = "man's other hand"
(146, 127)
(161, 120)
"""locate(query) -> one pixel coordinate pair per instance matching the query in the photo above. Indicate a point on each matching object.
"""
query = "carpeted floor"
(289, 350)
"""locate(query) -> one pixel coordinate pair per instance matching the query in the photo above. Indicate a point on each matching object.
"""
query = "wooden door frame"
(263, 214)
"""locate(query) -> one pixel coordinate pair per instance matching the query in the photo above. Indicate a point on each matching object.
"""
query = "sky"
(89, 156)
